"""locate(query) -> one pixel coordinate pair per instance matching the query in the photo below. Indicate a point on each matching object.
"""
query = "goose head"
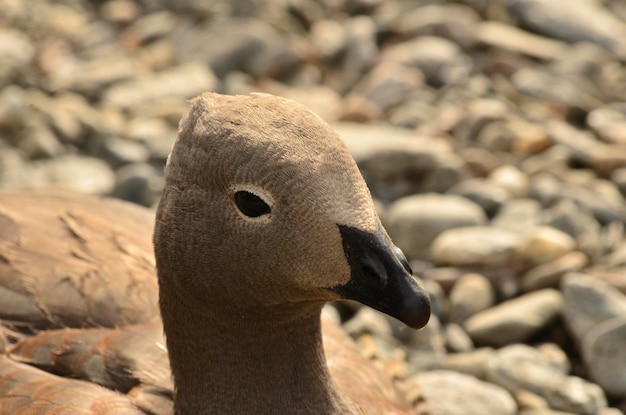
(264, 209)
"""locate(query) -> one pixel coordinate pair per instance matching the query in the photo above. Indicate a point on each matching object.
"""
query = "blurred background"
(492, 134)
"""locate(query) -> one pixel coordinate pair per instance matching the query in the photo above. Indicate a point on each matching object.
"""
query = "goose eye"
(250, 204)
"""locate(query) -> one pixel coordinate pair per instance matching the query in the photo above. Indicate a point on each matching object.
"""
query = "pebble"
(521, 367)
(471, 293)
(475, 246)
(587, 302)
(550, 273)
(604, 351)
(518, 215)
(16, 52)
(544, 244)
(586, 21)
(515, 320)
(452, 393)
(415, 221)
(484, 193)
(183, 82)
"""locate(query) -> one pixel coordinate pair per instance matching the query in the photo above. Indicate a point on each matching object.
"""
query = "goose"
(263, 219)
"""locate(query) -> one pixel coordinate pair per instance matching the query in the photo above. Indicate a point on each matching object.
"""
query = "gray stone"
(73, 172)
(544, 244)
(515, 320)
(577, 222)
(439, 59)
(359, 56)
(474, 363)
(92, 77)
(370, 321)
(429, 340)
(518, 215)
(589, 302)
(475, 246)
(470, 294)
(329, 38)
(504, 36)
(183, 81)
(119, 151)
(609, 122)
(512, 179)
(485, 194)
(139, 183)
(584, 21)
(455, 22)
(16, 53)
(387, 85)
(13, 171)
(604, 350)
(549, 274)
(397, 162)
(415, 221)
(457, 340)
(520, 367)
(451, 393)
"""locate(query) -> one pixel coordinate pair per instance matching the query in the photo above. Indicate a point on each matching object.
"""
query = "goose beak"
(382, 278)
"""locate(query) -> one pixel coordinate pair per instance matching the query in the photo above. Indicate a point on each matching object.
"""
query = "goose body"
(264, 218)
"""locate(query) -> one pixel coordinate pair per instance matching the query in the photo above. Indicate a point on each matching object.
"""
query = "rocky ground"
(492, 133)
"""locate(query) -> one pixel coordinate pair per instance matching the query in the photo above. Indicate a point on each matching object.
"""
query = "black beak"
(381, 277)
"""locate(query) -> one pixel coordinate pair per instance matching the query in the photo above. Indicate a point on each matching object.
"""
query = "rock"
(544, 244)
(554, 88)
(474, 246)
(604, 351)
(13, 170)
(549, 274)
(120, 11)
(119, 151)
(370, 321)
(518, 215)
(485, 194)
(586, 22)
(440, 60)
(609, 122)
(472, 293)
(329, 38)
(450, 393)
(574, 220)
(457, 340)
(588, 302)
(511, 179)
(73, 172)
(139, 183)
(415, 221)
(396, 162)
(515, 320)
(455, 22)
(520, 367)
(429, 340)
(94, 76)
(386, 86)
(16, 53)
(149, 27)
(509, 38)
(474, 363)
(360, 54)
(38, 141)
(183, 81)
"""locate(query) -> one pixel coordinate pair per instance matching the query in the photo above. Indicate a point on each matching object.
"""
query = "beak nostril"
(407, 267)
(379, 277)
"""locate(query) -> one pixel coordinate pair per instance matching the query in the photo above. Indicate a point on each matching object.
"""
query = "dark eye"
(250, 204)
